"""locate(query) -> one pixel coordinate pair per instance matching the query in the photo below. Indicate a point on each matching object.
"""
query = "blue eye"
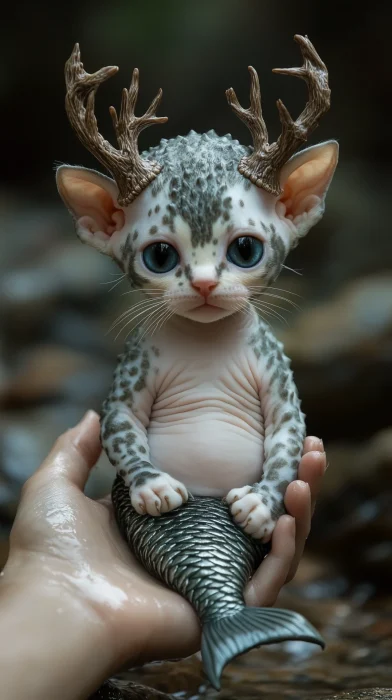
(245, 251)
(160, 257)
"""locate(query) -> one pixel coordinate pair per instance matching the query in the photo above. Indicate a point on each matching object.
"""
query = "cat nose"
(204, 286)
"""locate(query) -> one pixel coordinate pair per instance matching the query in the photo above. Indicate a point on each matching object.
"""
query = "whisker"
(139, 324)
(130, 311)
(271, 312)
(277, 306)
(139, 303)
(116, 283)
(274, 313)
(163, 319)
(278, 296)
(276, 289)
(119, 277)
(260, 313)
(296, 272)
(133, 318)
(141, 291)
(159, 313)
(150, 322)
(248, 308)
(288, 301)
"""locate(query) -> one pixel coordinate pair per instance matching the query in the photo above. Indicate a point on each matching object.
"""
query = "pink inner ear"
(306, 185)
(90, 199)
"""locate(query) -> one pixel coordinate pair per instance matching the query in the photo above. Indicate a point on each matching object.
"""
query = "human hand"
(291, 530)
(64, 541)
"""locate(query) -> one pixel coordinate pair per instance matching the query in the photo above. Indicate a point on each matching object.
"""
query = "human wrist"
(59, 641)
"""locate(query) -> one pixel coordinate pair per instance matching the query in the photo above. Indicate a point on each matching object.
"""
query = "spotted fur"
(198, 203)
(125, 415)
(198, 169)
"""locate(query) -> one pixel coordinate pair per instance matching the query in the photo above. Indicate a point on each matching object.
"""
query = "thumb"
(75, 452)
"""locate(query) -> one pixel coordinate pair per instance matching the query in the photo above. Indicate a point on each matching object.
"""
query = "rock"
(68, 270)
(41, 374)
(367, 694)
(78, 330)
(341, 352)
(25, 442)
(118, 690)
(353, 321)
(352, 525)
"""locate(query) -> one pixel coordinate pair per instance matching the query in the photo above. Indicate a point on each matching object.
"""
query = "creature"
(203, 399)
(201, 554)
(203, 422)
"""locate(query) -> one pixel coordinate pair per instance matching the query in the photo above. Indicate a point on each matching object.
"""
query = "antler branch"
(263, 166)
(131, 173)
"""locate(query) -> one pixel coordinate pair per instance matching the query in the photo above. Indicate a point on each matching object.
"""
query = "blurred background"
(56, 301)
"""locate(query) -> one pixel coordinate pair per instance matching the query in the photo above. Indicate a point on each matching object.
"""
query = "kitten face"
(203, 268)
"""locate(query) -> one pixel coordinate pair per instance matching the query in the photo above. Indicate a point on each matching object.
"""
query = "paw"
(158, 495)
(250, 513)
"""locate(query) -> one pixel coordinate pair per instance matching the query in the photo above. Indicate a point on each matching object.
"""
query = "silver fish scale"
(196, 550)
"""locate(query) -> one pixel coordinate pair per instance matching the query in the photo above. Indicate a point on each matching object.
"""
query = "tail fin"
(225, 638)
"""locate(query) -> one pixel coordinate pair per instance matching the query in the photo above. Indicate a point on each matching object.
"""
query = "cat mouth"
(211, 306)
(208, 305)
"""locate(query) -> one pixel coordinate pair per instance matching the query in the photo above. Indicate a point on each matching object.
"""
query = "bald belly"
(208, 433)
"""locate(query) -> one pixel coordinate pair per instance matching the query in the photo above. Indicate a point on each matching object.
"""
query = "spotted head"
(204, 225)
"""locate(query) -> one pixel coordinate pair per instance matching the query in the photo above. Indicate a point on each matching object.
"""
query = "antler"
(263, 166)
(131, 173)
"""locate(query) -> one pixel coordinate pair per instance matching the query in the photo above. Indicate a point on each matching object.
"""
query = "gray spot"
(127, 263)
(277, 256)
(141, 479)
(219, 269)
(198, 169)
(188, 272)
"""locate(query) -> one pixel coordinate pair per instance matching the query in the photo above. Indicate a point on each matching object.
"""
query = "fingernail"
(301, 483)
(317, 445)
(84, 425)
(290, 521)
(88, 416)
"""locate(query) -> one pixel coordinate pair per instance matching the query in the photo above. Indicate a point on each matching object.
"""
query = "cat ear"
(305, 180)
(92, 201)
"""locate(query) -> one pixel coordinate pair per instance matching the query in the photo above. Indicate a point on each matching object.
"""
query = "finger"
(311, 470)
(298, 504)
(300, 498)
(313, 444)
(106, 500)
(75, 452)
(263, 588)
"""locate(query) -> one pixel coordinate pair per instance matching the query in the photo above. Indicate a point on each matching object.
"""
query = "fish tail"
(225, 638)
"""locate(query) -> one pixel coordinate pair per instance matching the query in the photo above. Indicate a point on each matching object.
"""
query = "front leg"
(256, 508)
(124, 423)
